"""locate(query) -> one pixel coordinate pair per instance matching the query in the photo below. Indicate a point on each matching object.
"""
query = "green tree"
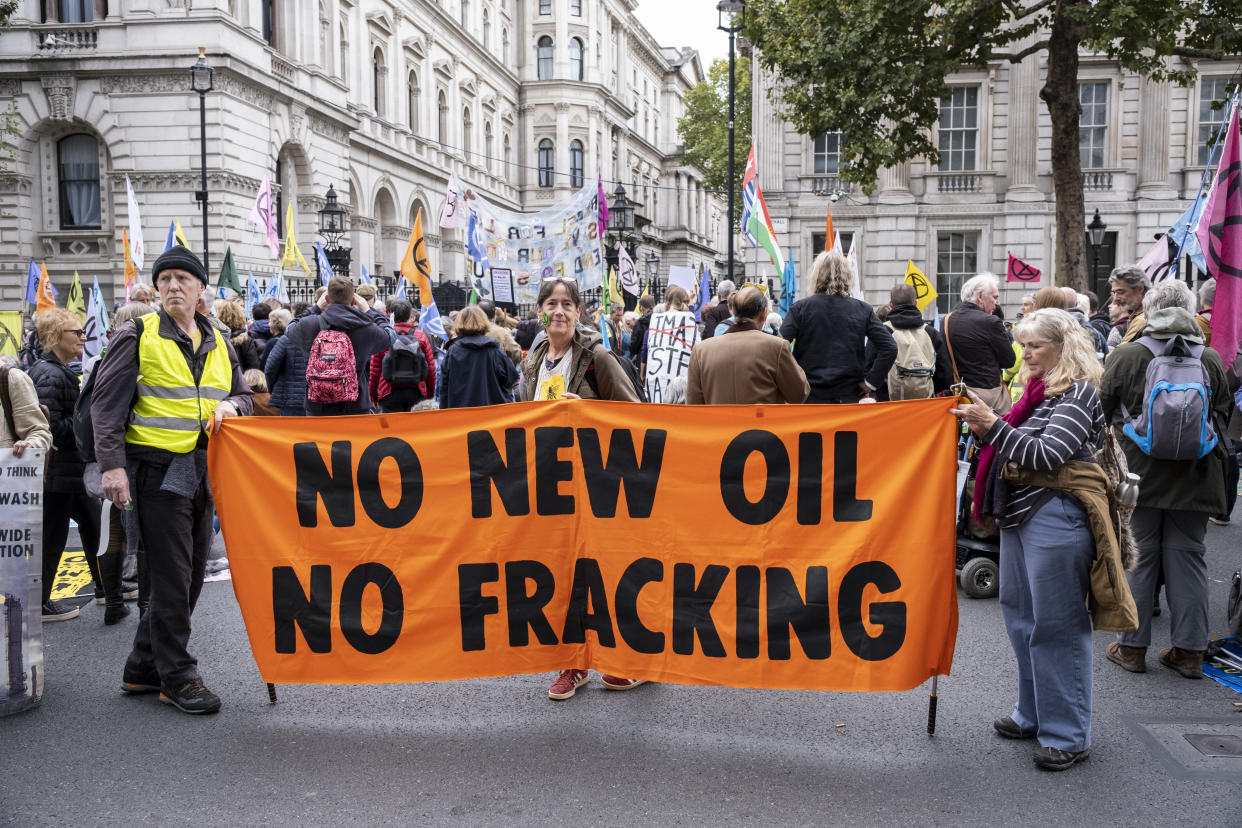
(877, 68)
(704, 128)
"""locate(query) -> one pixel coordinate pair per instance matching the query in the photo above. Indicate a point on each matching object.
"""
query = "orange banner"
(790, 546)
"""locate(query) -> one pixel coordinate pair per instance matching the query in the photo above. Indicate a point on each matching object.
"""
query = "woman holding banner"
(572, 363)
(1047, 505)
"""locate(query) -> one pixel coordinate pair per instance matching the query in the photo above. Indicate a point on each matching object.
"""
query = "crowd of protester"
(1041, 396)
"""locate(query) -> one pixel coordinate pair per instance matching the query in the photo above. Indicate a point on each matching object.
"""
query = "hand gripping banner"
(806, 547)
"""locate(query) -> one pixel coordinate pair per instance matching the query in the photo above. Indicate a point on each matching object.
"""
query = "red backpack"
(331, 371)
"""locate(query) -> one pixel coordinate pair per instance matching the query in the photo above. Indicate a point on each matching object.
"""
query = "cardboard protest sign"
(21, 565)
(670, 339)
(750, 546)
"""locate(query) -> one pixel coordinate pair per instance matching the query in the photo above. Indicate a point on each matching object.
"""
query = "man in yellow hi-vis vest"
(167, 380)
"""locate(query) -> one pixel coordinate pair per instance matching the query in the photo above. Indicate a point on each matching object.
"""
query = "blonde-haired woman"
(829, 331)
(61, 340)
(1047, 539)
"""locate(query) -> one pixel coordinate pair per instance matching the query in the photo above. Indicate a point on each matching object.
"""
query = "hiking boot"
(1055, 759)
(1008, 728)
(567, 683)
(615, 683)
(1133, 659)
(114, 613)
(59, 611)
(1187, 662)
(136, 684)
(191, 697)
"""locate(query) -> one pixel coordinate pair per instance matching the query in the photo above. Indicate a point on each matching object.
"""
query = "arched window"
(575, 59)
(507, 156)
(489, 147)
(467, 127)
(77, 159)
(545, 58)
(575, 163)
(269, 22)
(504, 44)
(412, 90)
(487, 30)
(442, 118)
(325, 32)
(377, 81)
(547, 163)
(341, 71)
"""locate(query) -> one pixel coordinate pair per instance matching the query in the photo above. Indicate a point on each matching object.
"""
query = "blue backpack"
(1176, 420)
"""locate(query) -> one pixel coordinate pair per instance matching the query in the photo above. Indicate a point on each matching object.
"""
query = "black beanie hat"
(178, 257)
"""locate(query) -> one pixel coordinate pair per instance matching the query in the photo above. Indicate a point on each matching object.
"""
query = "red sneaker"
(566, 684)
(614, 683)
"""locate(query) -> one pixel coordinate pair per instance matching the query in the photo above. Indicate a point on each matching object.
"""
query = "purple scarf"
(1032, 396)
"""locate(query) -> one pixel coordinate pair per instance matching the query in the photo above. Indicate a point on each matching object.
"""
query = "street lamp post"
(202, 81)
(620, 218)
(1095, 233)
(332, 228)
(734, 11)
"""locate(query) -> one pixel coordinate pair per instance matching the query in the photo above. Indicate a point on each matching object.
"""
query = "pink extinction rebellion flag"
(261, 214)
(1220, 235)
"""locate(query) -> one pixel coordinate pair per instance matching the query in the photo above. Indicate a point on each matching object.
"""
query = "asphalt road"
(498, 752)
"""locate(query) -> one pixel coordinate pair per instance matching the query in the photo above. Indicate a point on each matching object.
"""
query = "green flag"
(228, 274)
(474, 297)
(74, 303)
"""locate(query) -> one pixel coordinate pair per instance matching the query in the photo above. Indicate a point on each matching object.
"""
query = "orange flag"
(131, 272)
(829, 235)
(415, 264)
(46, 293)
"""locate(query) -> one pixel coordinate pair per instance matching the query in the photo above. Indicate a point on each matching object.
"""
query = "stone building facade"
(1144, 150)
(525, 100)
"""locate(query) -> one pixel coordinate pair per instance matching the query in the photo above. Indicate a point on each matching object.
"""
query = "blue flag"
(474, 245)
(429, 320)
(603, 330)
(221, 291)
(172, 238)
(32, 282)
(252, 294)
(1184, 236)
(705, 293)
(275, 286)
(325, 268)
(366, 277)
(400, 294)
(789, 285)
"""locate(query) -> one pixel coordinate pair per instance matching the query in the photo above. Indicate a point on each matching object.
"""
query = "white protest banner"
(450, 215)
(21, 563)
(685, 278)
(562, 241)
(669, 340)
(502, 284)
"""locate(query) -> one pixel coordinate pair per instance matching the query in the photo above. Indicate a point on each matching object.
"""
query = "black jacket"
(904, 317)
(979, 345)
(369, 333)
(713, 316)
(476, 372)
(638, 336)
(828, 334)
(58, 388)
(526, 332)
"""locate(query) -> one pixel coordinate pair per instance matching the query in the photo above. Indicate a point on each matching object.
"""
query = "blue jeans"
(1045, 567)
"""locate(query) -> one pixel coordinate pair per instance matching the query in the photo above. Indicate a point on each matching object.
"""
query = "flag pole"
(931, 707)
(1194, 220)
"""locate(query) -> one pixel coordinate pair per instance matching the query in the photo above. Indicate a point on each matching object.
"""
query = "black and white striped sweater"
(1060, 429)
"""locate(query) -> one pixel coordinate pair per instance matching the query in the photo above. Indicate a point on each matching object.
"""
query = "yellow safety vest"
(171, 411)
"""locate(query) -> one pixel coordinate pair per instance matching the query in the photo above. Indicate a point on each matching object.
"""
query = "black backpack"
(404, 366)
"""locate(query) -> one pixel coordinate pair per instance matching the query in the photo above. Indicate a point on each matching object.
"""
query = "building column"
(562, 145)
(1153, 178)
(1023, 131)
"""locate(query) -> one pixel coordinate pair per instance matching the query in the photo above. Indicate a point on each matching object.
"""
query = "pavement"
(498, 752)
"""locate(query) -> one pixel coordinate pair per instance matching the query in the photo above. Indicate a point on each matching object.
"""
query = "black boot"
(110, 574)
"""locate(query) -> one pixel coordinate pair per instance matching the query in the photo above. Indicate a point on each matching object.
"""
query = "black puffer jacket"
(58, 388)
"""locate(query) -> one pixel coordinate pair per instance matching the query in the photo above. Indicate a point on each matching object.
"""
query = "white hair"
(1083, 302)
(1170, 293)
(725, 288)
(976, 286)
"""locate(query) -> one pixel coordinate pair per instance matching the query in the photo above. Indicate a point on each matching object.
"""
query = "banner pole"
(271, 693)
(931, 707)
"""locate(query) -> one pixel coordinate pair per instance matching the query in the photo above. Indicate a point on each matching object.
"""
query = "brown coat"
(744, 367)
(588, 353)
(27, 415)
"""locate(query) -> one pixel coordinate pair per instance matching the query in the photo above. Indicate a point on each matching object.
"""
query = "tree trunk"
(1060, 93)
